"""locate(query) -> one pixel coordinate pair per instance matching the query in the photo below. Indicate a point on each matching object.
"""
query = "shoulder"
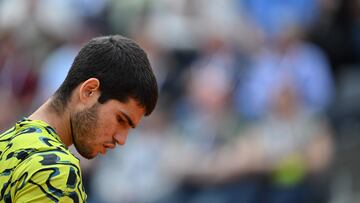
(52, 175)
(52, 158)
(34, 132)
(32, 137)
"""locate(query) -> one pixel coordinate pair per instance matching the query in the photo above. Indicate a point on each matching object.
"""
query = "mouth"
(109, 145)
(106, 146)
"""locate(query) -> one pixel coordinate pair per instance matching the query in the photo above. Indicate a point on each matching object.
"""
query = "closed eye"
(125, 118)
(120, 120)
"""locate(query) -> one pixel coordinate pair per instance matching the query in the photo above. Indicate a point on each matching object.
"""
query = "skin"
(92, 127)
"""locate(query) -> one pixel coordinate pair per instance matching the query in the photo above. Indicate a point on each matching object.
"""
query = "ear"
(89, 90)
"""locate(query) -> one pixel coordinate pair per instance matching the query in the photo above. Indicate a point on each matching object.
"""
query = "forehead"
(131, 108)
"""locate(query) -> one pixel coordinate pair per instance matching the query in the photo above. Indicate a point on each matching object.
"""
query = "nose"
(121, 137)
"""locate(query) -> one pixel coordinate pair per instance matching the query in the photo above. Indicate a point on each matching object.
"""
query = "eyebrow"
(130, 122)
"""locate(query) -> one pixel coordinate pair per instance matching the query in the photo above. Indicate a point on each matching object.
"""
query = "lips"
(107, 145)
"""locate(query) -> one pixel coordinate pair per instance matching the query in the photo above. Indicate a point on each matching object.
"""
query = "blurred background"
(259, 99)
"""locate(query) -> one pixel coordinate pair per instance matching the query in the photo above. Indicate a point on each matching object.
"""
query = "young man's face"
(102, 126)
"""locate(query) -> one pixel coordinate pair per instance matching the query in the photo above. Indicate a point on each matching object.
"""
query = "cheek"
(106, 129)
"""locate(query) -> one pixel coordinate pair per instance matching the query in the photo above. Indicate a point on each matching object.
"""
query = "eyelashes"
(120, 120)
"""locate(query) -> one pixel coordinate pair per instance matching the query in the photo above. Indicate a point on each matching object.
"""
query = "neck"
(59, 121)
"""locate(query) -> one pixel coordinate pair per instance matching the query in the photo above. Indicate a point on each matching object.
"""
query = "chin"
(89, 156)
(85, 151)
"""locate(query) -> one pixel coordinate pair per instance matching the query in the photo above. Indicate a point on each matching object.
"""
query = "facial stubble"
(83, 125)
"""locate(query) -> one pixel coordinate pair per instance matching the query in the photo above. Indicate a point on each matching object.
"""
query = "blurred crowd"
(259, 99)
